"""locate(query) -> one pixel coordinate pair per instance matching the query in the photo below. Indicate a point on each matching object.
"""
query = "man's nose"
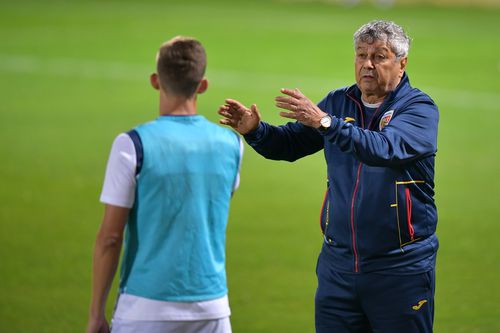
(368, 63)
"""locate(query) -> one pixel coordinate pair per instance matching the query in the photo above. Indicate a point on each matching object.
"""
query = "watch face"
(326, 121)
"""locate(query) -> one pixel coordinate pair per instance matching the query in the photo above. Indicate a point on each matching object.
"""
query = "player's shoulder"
(122, 140)
(221, 130)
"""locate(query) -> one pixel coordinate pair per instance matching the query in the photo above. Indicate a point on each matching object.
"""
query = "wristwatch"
(325, 123)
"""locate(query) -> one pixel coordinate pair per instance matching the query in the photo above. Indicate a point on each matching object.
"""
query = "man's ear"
(154, 80)
(203, 86)
(403, 62)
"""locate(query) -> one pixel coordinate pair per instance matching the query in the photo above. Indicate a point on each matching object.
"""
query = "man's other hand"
(302, 108)
(244, 120)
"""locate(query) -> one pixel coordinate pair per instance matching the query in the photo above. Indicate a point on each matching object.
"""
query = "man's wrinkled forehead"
(375, 46)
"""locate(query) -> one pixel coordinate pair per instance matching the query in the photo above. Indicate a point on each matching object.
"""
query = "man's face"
(377, 70)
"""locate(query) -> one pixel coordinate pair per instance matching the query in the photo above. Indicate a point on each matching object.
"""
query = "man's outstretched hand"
(244, 120)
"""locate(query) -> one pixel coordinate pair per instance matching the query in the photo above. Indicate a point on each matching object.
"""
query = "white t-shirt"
(119, 190)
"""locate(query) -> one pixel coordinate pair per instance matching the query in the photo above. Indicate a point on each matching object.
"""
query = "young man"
(168, 183)
(379, 136)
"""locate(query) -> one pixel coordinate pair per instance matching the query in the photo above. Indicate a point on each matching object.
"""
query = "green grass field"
(75, 74)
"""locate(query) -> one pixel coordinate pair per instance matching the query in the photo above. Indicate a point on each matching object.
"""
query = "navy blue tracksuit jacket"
(379, 212)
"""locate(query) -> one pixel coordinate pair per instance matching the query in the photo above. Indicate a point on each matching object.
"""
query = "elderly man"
(376, 267)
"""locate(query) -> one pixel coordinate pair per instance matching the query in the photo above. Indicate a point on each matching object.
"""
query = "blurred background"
(74, 74)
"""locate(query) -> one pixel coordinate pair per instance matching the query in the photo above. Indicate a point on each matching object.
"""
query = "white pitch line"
(72, 68)
(107, 70)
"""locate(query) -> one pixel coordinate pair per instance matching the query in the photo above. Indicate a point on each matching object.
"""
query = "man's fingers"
(286, 106)
(225, 112)
(296, 93)
(223, 108)
(255, 110)
(229, 122)
(235, 104)
(290, 115)
(225, 122)
(287, 99)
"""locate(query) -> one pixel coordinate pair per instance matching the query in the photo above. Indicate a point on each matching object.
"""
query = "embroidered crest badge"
(386, 118)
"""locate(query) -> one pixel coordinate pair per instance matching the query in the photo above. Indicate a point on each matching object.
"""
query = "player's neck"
(175, 105)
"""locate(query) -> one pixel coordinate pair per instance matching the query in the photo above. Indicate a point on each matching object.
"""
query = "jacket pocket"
(409, 224)
(408, 214)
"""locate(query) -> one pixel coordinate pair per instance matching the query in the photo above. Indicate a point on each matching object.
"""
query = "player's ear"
(203, 86)
(154, 80)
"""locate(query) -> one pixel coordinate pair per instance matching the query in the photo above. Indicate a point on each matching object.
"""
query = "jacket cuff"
(255, 135)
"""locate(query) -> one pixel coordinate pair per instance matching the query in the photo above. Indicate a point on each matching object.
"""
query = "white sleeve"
(237, 181)
(119, 182)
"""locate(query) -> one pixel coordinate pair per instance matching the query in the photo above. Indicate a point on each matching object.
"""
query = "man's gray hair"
(386, 31)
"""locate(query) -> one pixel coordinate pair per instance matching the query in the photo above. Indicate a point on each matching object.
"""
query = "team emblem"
(386, 118)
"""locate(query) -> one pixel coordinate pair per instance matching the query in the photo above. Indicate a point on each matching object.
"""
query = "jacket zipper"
(411, 230)
(327, 203)
(353, 229)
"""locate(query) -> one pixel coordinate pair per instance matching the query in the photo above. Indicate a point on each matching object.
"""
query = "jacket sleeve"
(288, 142)
(410, 135)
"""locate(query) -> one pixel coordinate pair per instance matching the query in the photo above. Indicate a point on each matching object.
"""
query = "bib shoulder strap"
(139, 152)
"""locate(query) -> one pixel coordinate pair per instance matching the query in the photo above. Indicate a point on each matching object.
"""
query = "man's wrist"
(325, 123)
(254, 134)
(252, 130)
